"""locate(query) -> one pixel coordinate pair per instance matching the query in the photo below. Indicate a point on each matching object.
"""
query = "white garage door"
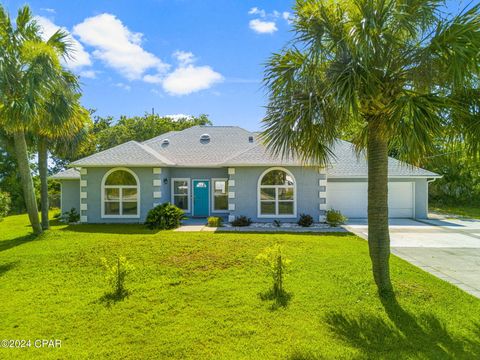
(351, 198)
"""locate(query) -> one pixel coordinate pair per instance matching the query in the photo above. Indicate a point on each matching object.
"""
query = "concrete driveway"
(446, 248)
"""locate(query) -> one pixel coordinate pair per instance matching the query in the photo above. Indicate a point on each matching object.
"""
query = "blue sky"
(177, 56)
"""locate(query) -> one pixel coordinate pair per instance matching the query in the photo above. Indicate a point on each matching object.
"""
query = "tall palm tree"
(28, 69)
(62, 134)
(387, 67)
(62, 118)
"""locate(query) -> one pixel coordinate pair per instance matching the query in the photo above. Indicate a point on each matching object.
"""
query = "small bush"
(164, 217)
(335, 218)
(5, 203)
(214, 221)
(305, 220)
(276, 265)
(57, 215)
(116, 274)
(241, 221)
(71, 216)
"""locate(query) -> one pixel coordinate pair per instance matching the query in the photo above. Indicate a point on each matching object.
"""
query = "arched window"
(120, 194)
(277, 194)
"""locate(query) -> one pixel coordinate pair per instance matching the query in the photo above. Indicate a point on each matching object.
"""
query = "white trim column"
(231, 193)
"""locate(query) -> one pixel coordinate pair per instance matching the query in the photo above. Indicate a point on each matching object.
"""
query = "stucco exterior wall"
(156, 184)
(245, 192)
(91, 194)
(70, 195)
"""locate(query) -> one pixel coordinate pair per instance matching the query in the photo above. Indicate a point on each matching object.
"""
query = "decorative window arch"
(277, 194)
(120, 194)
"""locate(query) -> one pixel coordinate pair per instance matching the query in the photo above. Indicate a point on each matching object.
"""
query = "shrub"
(57, 214)
(305, 220)
(335, 218)
(164, 217)
(5, 203)
(214, 221)
(115, 275)
(241, 221)
(276, 265)
(71, 216)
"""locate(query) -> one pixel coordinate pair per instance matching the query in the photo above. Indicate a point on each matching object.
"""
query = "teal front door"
(201, 198)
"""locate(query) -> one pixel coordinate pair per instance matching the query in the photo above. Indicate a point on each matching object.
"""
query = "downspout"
(428, 182)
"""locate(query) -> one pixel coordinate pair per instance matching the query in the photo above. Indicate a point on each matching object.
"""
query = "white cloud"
(49, 10)
(263, 27)
(91, 74)
(187, 79)
(123, 86)
(287, 17)
(177, 117)
(257, 11)
(117, 46)
(79, 58)
(184, 57)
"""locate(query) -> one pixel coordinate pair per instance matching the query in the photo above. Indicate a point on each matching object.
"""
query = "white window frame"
(120, 187)
(276, 201)
(213, 195)
(172, 187)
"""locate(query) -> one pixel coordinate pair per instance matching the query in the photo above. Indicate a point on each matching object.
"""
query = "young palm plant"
(385, 67)
(29, 69)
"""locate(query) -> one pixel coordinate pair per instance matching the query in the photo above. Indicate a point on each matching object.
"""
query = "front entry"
(201, 198)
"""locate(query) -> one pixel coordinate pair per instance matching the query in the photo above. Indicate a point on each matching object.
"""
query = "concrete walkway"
(446, 248)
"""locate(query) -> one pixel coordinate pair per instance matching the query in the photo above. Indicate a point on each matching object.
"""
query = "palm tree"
(385, 67)
(28, 69)
(62, 119)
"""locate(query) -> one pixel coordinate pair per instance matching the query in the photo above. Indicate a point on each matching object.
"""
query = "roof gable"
(130, 153)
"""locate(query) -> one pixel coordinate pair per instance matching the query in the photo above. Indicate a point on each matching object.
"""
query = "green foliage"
(276, 265)
(116, 274)
(56, 214)
(5, 203)
(71, 217)
(241, 221)
(335, 217)
(214, 221)
(164, 217)
(305, 220)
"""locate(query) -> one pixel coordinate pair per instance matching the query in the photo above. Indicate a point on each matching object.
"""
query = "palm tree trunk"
(378, 233)
(26, 178)
(43, 169)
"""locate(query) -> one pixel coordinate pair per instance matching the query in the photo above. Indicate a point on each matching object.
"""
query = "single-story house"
(226, 171)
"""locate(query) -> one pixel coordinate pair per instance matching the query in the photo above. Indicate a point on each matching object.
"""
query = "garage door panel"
(351, 198)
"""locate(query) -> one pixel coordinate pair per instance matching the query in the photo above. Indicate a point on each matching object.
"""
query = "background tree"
(28, 69)
(387, 68)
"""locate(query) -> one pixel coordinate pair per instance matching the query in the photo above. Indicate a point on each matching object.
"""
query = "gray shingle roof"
(186, 149)
(69, 174)
(228, 146)
(347, 163)
(130, 153)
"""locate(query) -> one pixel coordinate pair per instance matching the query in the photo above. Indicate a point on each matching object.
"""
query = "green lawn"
(199, 295)
(469, 211)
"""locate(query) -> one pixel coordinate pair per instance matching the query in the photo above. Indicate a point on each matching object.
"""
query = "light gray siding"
(70, 195)
(246, 192)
